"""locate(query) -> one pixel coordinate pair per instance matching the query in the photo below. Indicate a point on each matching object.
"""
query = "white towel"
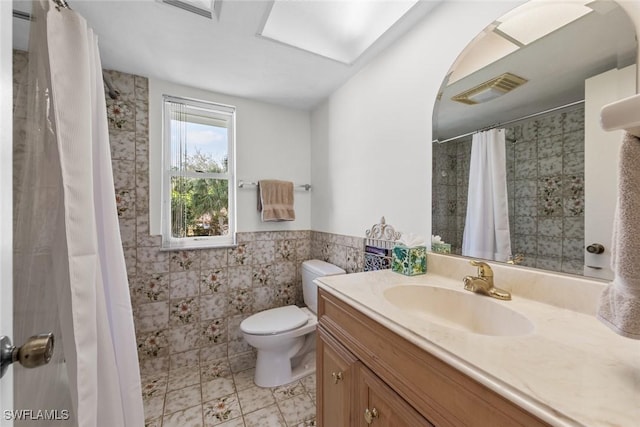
(620, 301)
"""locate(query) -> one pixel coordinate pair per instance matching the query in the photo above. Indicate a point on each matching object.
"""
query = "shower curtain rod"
(27, 16)
(508, 122)
(113, 92)
(62, 3)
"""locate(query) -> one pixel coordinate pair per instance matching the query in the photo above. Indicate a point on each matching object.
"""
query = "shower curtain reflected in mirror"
(69, 271)
(486, 230)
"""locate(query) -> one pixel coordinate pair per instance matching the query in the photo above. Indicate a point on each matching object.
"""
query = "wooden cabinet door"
(380, 406)
(335, 382)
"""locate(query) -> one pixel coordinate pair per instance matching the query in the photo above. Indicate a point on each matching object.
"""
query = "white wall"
(601, 153)
(371, 140)
(271, 142)
(632, 7)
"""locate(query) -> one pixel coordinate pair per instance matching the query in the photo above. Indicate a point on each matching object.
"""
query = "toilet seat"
(274, 321)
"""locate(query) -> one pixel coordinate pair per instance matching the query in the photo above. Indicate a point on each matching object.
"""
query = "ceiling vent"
(491, 89)
(206, 8)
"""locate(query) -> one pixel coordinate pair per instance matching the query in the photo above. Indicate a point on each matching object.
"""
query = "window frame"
(194, 242)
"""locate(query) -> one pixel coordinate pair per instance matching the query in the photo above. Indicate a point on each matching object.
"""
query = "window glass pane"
(199, 207)
(199, 147)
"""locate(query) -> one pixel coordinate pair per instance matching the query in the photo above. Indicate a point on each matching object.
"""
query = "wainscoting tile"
(184, 284)
(186, 359)
(213, 258)
(213, 306)
(214, 281)
(240, 277)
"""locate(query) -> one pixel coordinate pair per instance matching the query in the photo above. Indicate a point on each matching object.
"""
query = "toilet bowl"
(284, 337)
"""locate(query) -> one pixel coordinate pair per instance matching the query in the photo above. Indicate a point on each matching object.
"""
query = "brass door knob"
(37, 351)
(370, 415)
(337, 376)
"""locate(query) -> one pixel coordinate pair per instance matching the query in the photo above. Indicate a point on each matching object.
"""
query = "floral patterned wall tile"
(184, 284)
(214, 281)
(123, 144)
(185, 301)
(190, 359)
(153, 344)
(184, 311)
(185, 260)
(213, 306)
(545, 202)
(152, 316)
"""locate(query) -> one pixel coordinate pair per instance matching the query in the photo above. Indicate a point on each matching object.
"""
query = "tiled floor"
(223, 394)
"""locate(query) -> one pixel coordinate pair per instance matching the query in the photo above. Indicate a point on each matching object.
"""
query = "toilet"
(285, 336)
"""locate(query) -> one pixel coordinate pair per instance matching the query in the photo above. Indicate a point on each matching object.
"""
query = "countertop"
(570, 371)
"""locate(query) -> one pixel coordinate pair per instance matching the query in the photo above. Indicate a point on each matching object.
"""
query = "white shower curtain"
(486, 229)
(67, 225)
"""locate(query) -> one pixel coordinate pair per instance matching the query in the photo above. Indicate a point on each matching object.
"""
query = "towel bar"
(623, 114)
(242, 184)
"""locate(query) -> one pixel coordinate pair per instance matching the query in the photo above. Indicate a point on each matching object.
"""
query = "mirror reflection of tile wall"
(545, 182)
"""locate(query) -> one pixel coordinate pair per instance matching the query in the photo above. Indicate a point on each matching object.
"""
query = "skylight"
(206, 8)
(536, 19)
(517, 29)
(340, 30)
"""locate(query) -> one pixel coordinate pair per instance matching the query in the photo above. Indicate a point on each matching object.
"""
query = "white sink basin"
(460, 310)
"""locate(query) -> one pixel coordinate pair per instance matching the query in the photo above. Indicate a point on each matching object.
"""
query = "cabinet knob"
(337, 376)
(370, 415)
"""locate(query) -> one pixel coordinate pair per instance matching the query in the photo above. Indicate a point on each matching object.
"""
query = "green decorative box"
(409, 261)
(441, 248)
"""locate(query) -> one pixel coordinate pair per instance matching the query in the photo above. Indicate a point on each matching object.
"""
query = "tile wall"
(188, 305)
(545, 182)
(346, 252)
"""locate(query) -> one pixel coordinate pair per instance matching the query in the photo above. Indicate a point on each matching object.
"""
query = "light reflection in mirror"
(545, 133)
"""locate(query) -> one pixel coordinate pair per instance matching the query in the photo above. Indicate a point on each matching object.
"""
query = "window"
(198, 185)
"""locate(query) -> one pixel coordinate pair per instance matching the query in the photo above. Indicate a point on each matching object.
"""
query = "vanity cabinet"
(408, 387)
(378, 405)
(349, 394)
(335, 377)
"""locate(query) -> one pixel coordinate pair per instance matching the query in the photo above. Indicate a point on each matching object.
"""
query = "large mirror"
(535, 80)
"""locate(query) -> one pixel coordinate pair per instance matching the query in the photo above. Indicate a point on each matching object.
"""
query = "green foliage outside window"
(199, 206)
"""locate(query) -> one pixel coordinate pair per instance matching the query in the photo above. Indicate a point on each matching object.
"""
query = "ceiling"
(555, 65)
(223, 55)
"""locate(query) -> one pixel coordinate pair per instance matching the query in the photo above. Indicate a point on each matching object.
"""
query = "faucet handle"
(484, 269)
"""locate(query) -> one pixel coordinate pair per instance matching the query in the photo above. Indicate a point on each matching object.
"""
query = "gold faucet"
(483, 283)
(515, 259)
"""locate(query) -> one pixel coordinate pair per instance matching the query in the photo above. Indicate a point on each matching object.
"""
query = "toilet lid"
(274, 321)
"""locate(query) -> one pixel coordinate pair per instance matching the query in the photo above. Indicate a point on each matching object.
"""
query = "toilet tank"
(311, 270)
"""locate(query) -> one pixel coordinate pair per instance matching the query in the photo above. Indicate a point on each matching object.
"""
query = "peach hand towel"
(275, 200)
(619, 307)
